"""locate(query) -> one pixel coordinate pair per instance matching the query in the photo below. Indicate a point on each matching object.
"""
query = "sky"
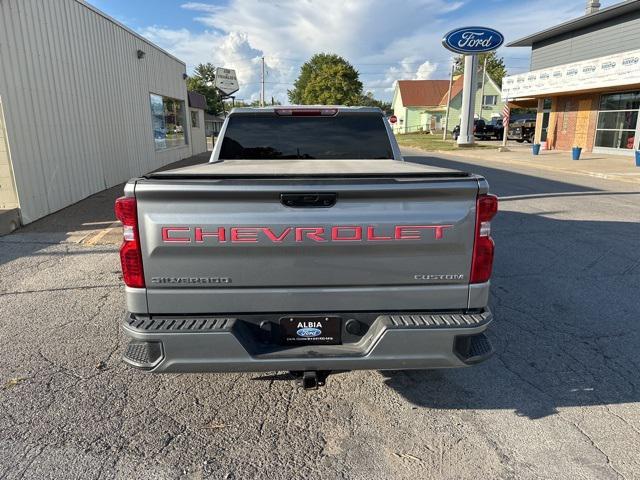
(386, 40)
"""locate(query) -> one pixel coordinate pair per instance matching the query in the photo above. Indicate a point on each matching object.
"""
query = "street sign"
(226, 81)
(393, 119)
(472, 40)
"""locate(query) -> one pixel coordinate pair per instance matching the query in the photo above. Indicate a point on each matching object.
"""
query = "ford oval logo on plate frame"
(472, 40)
(309, 332)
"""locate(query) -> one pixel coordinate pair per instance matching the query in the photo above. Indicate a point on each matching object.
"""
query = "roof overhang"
(577, 23)
(596, 74)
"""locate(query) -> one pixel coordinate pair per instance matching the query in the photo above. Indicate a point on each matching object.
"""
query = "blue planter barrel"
(535, 148)
(575, 153)
(637, 158)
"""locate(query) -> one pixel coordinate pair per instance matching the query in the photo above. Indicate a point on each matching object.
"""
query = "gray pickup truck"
(307, 244)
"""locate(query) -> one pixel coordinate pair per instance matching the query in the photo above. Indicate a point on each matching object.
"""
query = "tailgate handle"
(308, 200)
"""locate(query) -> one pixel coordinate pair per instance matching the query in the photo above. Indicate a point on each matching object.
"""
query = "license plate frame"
(303, 330)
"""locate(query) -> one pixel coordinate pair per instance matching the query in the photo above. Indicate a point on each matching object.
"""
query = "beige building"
(585, 80)
(85, 104)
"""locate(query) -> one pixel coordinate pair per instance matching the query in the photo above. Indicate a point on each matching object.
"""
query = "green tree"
(495, 66)
(202, 82)
(326, 79)
(254, 103)
(368, 100)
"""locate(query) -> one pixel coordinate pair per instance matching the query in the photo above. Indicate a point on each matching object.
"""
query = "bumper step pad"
(164, 324)
(143, 355)
(473, 349)
(445, 320)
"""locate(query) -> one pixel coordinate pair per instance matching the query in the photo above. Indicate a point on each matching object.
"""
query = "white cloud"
(385, 41)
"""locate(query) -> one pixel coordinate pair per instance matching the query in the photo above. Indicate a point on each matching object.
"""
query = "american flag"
(506, 113)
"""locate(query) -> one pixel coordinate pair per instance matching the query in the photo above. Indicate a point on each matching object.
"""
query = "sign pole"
(471, 41)
(446, 118)
(484, 76)
(262, 85)
(468, 101)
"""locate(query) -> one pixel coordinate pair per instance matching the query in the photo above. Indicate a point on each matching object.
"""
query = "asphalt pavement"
(560, 399)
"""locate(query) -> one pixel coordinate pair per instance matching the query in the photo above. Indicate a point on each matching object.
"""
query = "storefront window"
(546, 112)
(168, 121)
(618, 120)
(620, 101)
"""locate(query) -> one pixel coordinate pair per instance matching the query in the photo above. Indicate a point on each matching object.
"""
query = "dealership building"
(584, 80)
(85, 104)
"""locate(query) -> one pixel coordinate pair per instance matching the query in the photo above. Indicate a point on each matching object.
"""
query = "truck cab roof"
(276, 108)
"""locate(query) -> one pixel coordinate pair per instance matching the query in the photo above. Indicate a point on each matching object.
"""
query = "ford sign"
(472, 40)
(309, 332)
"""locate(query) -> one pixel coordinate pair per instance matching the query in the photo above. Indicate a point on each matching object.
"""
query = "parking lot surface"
(560, 399)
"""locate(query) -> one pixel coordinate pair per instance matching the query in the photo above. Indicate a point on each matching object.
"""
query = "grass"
(431, 143)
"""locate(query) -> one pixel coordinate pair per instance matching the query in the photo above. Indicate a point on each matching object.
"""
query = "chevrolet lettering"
(307, 249)
(336, 233)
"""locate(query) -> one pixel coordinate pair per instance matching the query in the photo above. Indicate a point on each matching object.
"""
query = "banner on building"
(610, 71)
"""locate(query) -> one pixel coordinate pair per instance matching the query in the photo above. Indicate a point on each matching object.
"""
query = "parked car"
(308, 250)
(522, 130)
(494, 129)
(483, 130)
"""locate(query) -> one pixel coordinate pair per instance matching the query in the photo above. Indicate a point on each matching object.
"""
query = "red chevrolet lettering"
(200, 234)
(300, 234)
(413, 232)
(169, 235)
(371, 235)
(353, 233)
(312, 233)
(276, 238)
(244, 234)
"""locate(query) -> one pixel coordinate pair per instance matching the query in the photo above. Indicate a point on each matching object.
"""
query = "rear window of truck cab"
(270, 136)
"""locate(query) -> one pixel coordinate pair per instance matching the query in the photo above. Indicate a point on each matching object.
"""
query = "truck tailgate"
(236, 245)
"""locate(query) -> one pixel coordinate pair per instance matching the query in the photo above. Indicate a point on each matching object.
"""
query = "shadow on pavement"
(564, 295)
(566, 332)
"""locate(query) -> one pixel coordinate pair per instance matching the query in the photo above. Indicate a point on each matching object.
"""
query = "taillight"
(130, 253)
(482, 262)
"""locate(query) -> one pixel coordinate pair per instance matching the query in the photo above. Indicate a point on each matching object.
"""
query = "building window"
(168, 121)
(546, 114)
(490, 100)
(194, 120)
(618, 120)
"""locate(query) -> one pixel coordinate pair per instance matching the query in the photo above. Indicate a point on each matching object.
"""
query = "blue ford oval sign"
(472, 40)
(309, 332)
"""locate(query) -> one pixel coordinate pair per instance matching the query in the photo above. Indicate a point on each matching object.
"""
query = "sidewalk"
(611, 167)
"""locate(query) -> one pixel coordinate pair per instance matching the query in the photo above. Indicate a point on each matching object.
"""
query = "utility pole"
(262, 85)
(446, 118)
(484, 74)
